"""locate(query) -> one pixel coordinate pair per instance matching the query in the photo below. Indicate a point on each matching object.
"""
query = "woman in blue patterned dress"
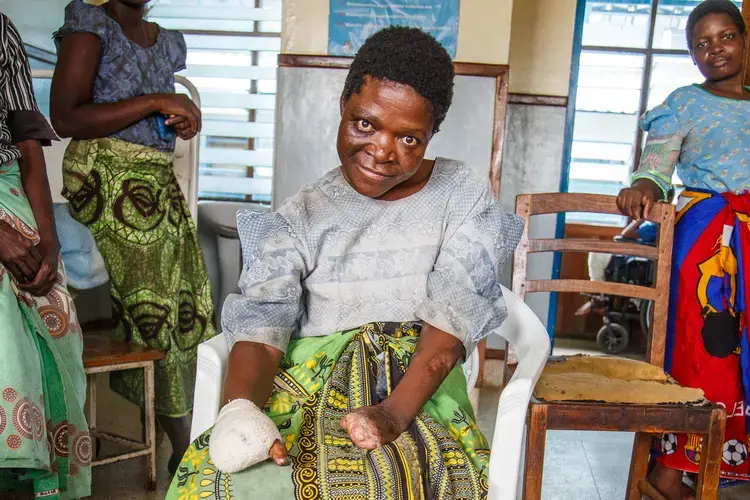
(704, 132)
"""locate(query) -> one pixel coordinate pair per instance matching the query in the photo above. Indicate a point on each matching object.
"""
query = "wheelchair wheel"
(647, 316)
(613, 338)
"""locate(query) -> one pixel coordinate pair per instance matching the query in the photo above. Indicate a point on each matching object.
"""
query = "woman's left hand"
(181, 126)
(371, 427)
(46, 277)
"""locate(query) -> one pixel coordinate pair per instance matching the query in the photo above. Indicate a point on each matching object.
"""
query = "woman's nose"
(384, 150)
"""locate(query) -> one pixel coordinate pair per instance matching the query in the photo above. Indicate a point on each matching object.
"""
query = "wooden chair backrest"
(663, 214)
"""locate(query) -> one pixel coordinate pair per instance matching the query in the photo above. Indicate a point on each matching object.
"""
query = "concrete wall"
(541, 43)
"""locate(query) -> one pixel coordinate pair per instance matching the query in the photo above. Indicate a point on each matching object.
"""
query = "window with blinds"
(232, 49)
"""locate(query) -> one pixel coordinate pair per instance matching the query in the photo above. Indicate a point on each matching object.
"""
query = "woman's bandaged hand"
(244, 436)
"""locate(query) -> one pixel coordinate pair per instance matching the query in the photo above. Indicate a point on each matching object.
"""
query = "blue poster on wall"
(352, 22)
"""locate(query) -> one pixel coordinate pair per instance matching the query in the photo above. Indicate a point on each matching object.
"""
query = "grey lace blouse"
(126, 69)
(331, 259)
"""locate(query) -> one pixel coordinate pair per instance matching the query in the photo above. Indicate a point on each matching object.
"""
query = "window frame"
(256, 32)
(648, 52)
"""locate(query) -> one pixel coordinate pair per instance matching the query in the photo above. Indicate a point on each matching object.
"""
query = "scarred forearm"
(436, 354)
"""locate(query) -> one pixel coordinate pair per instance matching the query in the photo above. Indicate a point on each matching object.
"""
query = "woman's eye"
(364, 126)
(729, 36)
(702, 45)
(410, 140)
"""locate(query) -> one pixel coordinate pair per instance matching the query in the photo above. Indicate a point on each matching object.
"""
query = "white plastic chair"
(522, 329)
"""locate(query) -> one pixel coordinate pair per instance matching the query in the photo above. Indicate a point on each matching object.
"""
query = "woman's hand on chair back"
(637, 200)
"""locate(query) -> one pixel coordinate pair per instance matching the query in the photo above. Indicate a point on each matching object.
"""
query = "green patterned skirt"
(128, 196)
(45, 445)
(441, 456)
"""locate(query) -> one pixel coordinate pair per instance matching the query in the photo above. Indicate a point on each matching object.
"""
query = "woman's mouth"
(372, 174)
(719, 62)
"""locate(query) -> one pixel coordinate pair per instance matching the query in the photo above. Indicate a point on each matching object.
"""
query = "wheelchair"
(620, 314)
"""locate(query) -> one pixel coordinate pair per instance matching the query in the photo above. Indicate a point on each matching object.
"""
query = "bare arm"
(72, 110)
(36, 186)
(252, 368)
(436, 354)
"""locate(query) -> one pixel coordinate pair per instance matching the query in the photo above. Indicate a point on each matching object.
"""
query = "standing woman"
(704, 131)
(45, 446)
(113, 82)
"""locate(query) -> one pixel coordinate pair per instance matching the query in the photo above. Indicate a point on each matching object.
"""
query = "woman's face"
(383, 135)
(718, 47)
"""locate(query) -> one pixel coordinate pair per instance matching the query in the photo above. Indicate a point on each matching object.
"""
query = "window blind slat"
(235, 185)
(205, 25)
(237, 129)
(216, 42)
(236, 72)
(245, 101)
(226, 156)
(213, 13)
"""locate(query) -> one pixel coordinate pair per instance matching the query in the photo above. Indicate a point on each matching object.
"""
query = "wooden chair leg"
(150, 425)
(638, 465)
(536, 439)
(707, 487)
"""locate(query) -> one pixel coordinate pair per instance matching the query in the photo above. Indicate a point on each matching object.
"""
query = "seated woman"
(359, 297)
(46, 449)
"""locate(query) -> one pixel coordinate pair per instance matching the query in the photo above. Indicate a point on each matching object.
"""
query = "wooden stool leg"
(91, 401)
(536, 439)
(638, 464)
(707, 487)
(150, 424)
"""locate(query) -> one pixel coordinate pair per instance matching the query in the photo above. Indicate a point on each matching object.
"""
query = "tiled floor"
(578, 465)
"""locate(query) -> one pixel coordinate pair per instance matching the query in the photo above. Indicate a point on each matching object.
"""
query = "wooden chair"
(104, 355)
(647, 421)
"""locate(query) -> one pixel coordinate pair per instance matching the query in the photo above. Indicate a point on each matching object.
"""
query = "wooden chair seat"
(99, 351)
(102, 355)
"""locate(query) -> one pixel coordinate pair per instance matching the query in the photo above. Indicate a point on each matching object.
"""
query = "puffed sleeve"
(25, 122)
(176, 50)
(464, 297)
(273, 263)
(666, 126)
(86, 18)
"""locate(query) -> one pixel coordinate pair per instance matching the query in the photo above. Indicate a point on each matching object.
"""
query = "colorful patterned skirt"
(707, 338)
(128, 196)
(44, 441)
(441, 456)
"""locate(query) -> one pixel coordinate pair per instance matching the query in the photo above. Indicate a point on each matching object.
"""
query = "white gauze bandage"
(242, 437)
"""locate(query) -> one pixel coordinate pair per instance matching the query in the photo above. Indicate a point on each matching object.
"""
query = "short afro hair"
(713, 7)
(410, 57)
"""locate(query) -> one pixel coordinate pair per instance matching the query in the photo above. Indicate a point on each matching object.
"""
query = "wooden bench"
(103, 355)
